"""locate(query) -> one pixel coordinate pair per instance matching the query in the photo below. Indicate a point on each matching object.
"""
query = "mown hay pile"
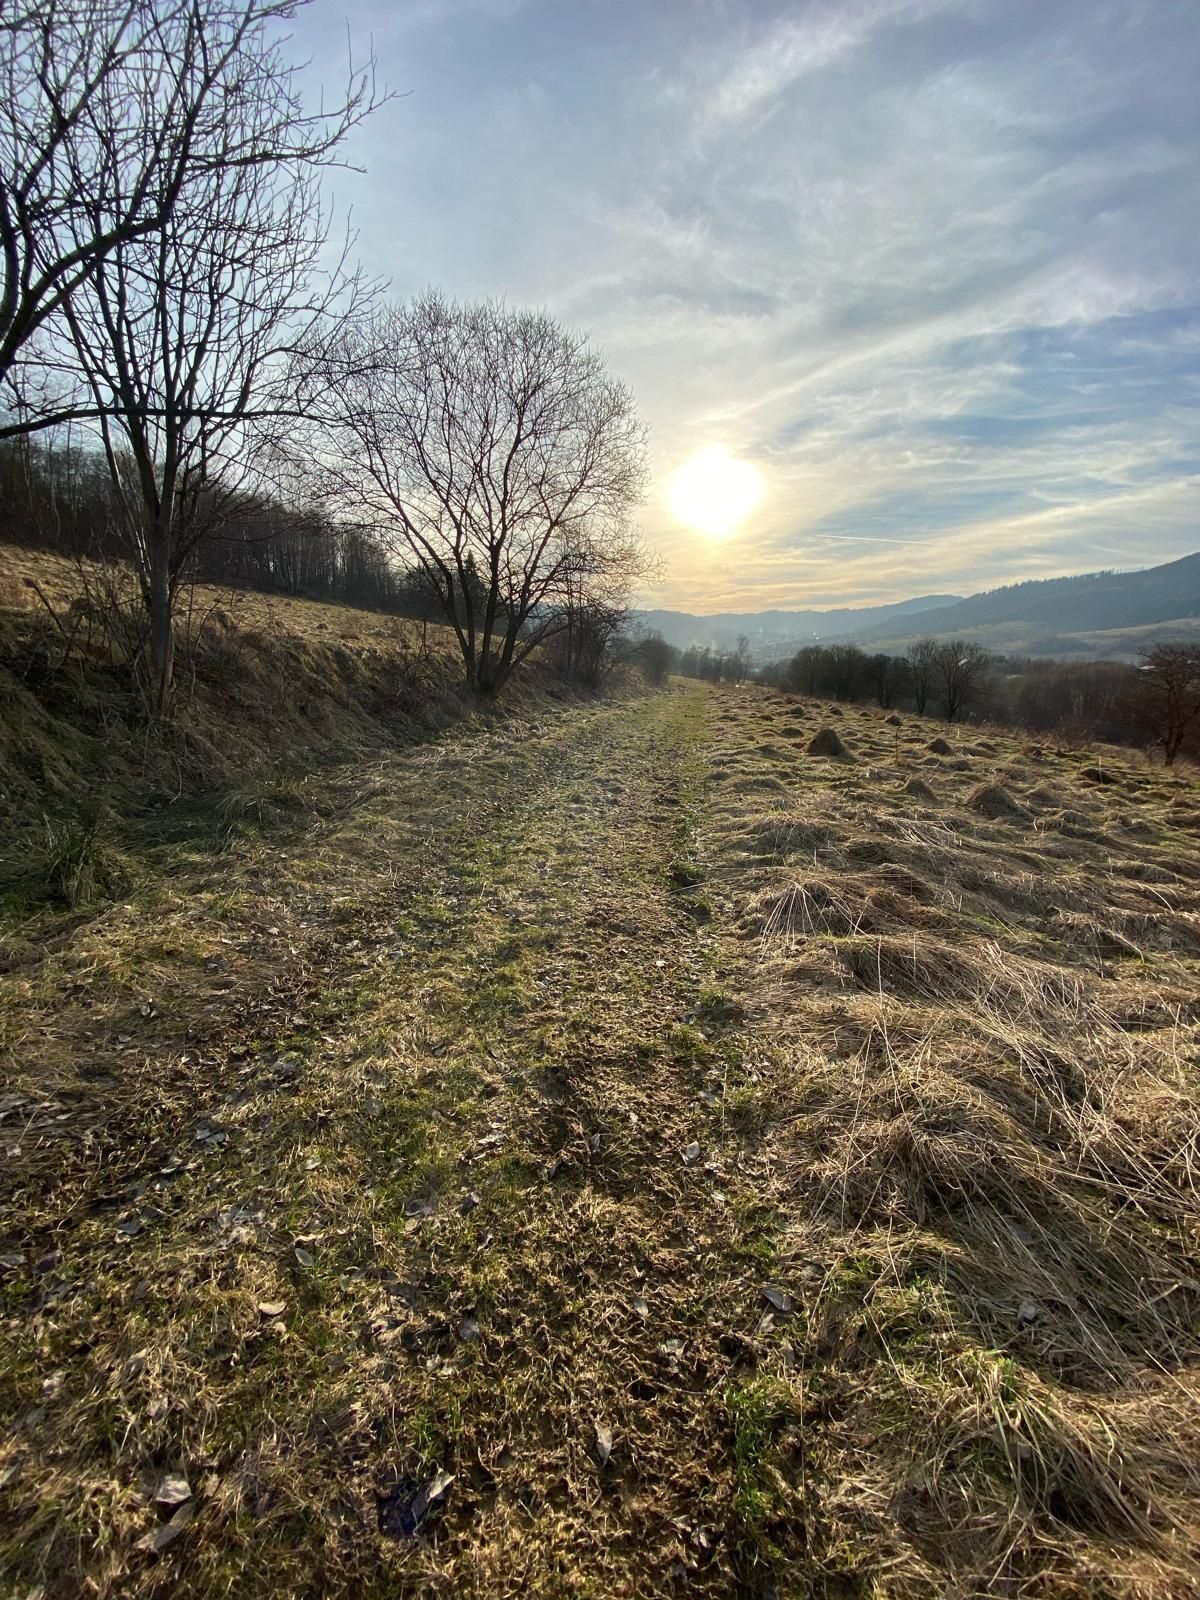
(827, 743)
(993, 800)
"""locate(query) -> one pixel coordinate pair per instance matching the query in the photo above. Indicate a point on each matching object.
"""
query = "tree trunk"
(162, 639)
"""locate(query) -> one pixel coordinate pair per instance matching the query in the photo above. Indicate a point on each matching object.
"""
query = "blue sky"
(932, 265)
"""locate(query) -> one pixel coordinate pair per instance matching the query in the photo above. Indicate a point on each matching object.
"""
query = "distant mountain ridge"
(1096, 613)
(764, 628)
(1090, 602)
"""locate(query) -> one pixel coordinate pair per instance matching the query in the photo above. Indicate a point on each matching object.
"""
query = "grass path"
(705, 1170)
(468, 1132)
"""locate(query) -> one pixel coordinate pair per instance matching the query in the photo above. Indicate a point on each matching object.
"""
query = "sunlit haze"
(713, 493)
(928, 266)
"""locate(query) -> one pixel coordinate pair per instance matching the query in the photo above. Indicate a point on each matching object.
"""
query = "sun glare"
(714, 492)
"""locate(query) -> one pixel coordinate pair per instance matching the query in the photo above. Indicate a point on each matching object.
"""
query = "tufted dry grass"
(977, 967)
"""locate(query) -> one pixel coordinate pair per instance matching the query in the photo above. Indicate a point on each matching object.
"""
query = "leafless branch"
(491, 447)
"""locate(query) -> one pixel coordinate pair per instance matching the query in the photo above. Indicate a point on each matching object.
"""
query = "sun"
(714, 492)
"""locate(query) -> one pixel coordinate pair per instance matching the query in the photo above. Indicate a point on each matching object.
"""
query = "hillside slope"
(266, 684)
(1066, 616)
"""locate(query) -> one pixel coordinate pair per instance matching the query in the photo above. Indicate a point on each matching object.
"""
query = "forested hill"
(1096, 600)
(1044, 615)
(770, 628)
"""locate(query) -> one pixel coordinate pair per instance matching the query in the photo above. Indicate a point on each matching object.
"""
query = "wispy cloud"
(930, 263)
(798, 45)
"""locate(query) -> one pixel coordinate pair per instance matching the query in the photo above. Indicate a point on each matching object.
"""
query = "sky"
(932, 267)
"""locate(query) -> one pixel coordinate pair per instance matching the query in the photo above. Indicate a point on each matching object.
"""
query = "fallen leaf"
(403, 1513)
(304, 1257)
(776, 1297)
(691, 1155)
(159, 1538)
(641, 1305)
(272, 1308)
(604, 1443)
(468, 1330)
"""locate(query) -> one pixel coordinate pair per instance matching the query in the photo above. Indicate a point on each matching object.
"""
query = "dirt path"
(470, 1134)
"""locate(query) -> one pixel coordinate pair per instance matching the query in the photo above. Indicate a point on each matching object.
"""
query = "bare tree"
(177, 340)
(108, 110)
(921, 656)
(583, 646)
(654, 656)
(960, 669)
(1166, 701)
(888, 676)
(845, 670)
(491, 446)
(739, 662)
(805, 669)
(592, 610)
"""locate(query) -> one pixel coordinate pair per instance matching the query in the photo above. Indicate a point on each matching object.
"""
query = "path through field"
(614, 1156)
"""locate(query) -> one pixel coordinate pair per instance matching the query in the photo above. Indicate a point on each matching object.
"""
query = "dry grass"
(452, 1112)
(265, 686)
(317, 621)
(984, 1131)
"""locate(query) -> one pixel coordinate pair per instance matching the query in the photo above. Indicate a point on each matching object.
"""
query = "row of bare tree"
(715, 665)
(1155, 702)
(951, 674)
(170, 293)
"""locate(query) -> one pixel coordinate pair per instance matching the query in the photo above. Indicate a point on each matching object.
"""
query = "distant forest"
(60, 499)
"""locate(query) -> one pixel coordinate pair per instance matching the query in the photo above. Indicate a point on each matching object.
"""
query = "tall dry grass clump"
(986, 1143)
